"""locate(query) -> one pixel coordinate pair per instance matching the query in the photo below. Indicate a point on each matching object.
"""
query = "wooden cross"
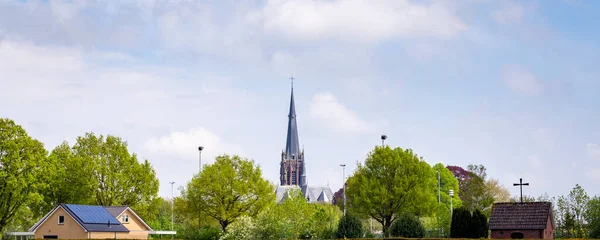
(521, 184)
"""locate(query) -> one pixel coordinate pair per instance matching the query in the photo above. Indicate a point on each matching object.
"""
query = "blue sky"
(511, 85)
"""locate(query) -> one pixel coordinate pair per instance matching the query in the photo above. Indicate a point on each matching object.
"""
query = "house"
(522, 220)
(71, 221)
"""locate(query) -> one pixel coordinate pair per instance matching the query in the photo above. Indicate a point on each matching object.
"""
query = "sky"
(512, 85)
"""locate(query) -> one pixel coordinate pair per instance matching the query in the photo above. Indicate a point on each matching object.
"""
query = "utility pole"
(439, 189)
(200, 148)
(344, 182)
(451, 193)
(172, 206)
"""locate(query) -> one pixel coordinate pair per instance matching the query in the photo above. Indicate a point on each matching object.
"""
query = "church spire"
(292, 145)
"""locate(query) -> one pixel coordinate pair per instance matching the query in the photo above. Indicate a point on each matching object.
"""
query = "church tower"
(292, 171)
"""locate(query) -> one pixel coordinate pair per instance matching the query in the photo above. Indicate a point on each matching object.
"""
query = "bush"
(204, 233)
(467, 225)
(349, 226)
(408, 226)
(242, 228)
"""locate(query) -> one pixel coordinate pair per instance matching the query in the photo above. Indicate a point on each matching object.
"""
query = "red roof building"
(522, 220)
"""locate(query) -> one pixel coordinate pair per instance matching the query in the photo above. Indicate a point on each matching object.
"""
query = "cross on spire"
(292, 78)
(521, 184)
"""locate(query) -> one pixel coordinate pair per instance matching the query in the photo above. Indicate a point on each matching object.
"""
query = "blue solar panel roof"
(93, 214)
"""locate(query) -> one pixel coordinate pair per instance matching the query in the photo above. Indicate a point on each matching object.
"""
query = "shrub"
(242, 228)
(204, 233)
(467, 225)
(349, 226)
(408, 226)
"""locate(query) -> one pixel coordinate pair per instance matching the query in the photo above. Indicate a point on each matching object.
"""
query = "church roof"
(519, 216)
(313, 194)
(281, 192)
(292, 145)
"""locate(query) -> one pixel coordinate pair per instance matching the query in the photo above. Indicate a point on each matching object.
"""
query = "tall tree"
(392, 181)
(229, 188)
(474, 192)
(22, 163)
(69, 182)
(498, 191)
(117, 178)
(447, 182)
(592, 217)
(571, 211)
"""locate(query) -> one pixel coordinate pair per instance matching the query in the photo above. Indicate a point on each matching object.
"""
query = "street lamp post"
(200, 148)
(383, 138)
(451, 193)
(344, 186)
(439, 185)
(172, 205)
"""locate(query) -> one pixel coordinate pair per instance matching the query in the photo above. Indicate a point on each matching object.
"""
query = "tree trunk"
(224, 224)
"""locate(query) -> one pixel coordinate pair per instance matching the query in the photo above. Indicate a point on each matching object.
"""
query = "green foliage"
(117, 178)
(592, 217)
(243, 228)
(467, 225)
(479, 225)
(408, 226)
(229, 188)
(196, 233)
(350, 226)
(390, 182)
(442, 217)
(571, 213)
(157, 214)
(22, 165)
(296, 218)
(476, 195)
(69, 181)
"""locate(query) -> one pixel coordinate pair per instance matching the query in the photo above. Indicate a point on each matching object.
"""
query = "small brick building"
(522, 220)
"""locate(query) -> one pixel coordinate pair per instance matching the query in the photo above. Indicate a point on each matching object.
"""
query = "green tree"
(117, 178)
(229, 188)
(296, 218)
(442, 218)
(22, 163)
(476, 195)
(571, 213)
(408, 226)
(350, 226)
(390, 182)
(68, 183)
(592, 217)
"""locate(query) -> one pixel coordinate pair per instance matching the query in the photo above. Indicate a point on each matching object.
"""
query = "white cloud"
(361, 20)
(593, 150)
(520, 80)
(511, 13)
(328, 111)
(184, 145)
(593, 174)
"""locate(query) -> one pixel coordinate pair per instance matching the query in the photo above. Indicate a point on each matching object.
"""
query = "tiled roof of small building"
(527, 215)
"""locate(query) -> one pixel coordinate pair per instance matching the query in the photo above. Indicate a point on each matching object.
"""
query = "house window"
(61, 220)
(125, 218)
